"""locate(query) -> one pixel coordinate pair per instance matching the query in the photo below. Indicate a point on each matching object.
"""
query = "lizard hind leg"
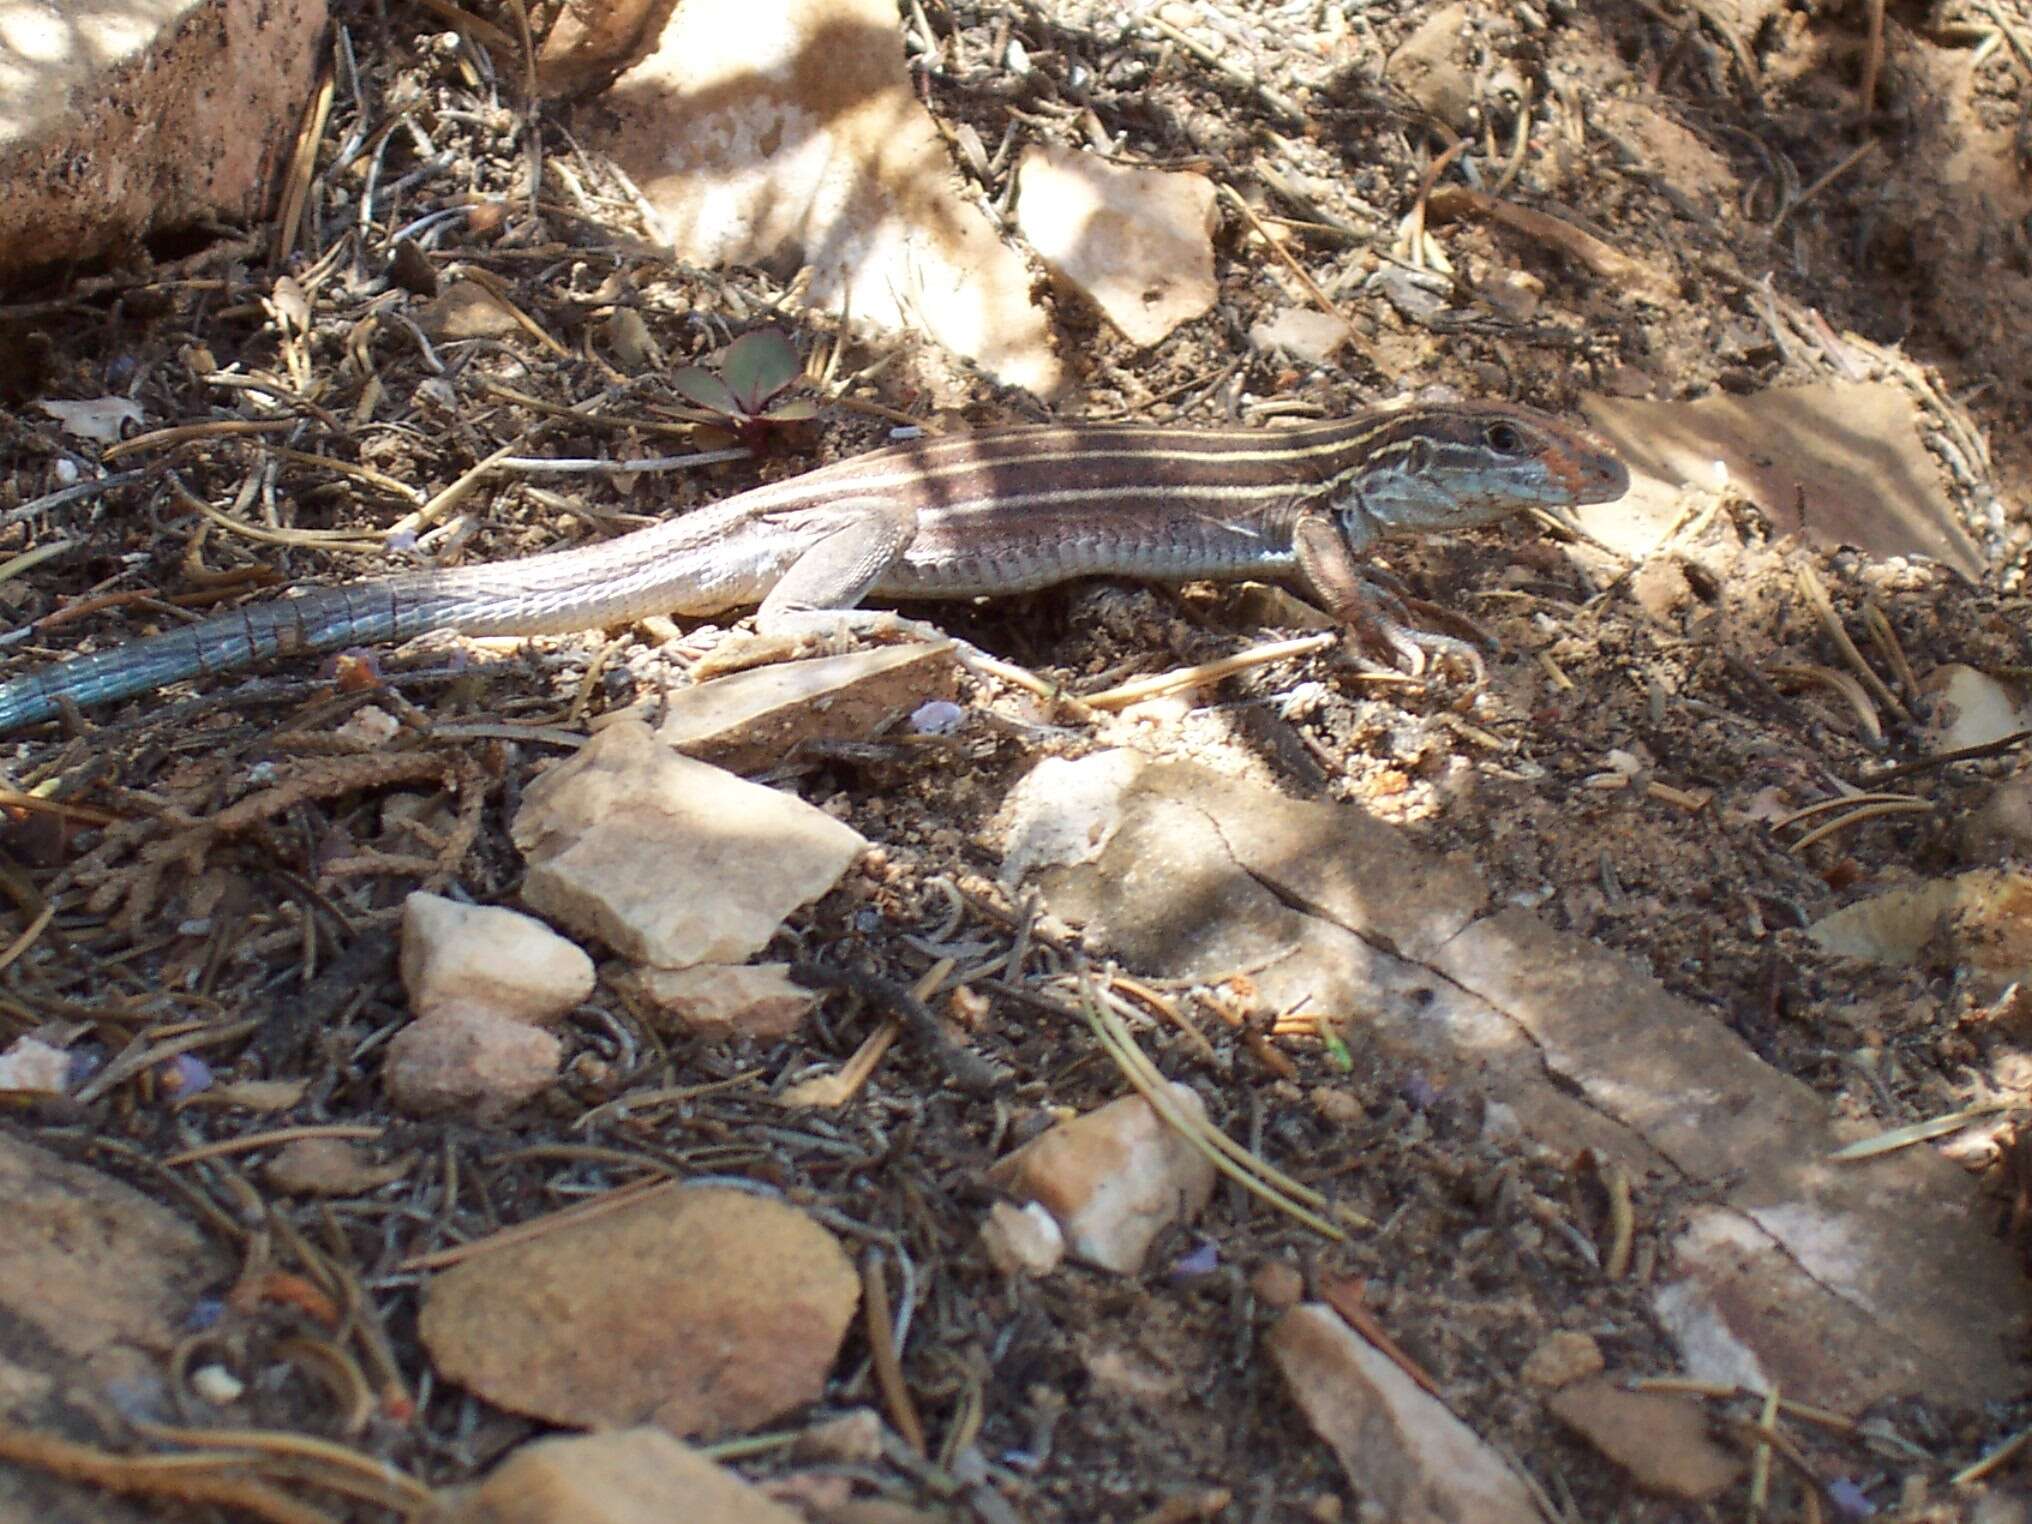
(813, 609)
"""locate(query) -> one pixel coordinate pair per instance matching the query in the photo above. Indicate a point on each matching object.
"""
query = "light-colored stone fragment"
(1662, 590)
(472, 1062)
(1114, 1178)
(1847, 453)
(1025, 1240)
(854, 1439)
(1431, 67)
(1410, 1458)
(1278, 1283)
(120, 118)
(1970, 708)
(785, 133)
(1660, 1439)
(1305, 333)
(703, 1311)
(2002, 825)
(1137, 243)
(486, 958)
(30, 1064)
(670, 861)
(718, 1001)
(466, 309)
(755, 719)
(625, 1476)
(1982, 918)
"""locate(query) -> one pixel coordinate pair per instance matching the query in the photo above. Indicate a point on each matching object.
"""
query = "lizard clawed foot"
(1385, 625)
(803, 633)
(740, 650)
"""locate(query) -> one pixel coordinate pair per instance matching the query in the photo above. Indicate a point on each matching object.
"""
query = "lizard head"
(1433, 468)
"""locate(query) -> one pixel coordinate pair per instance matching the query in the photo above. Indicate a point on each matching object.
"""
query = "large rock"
(120, 118)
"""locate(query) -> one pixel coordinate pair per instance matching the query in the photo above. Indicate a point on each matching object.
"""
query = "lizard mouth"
(1595, 477)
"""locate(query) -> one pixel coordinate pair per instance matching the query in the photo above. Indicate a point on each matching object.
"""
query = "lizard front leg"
(1332, 574)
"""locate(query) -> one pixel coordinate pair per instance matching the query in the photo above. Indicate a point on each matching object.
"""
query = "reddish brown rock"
(97, 1286)
(1114, 1178)
(703, 1311)
(468, 1061)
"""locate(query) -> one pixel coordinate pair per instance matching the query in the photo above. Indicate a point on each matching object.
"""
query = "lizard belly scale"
(1040, 548)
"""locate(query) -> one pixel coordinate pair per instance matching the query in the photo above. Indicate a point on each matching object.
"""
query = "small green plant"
(744, 398)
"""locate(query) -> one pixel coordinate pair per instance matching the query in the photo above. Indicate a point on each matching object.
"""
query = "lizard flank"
(957, 516)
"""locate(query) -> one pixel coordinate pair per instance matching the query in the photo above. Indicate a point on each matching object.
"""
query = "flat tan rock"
(1660, 1439)
(754, 719)
(785, 133)
(703, 1311)
(627, 1476)
(1137, 243)
(1838, 1283)
(1562, 1359)
(329, 1167)
(221, 85)
(1305, 333)
(1838, 462)
(670, 861)
(1404, 1452)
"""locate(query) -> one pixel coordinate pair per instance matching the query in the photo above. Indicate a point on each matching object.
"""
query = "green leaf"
(792, 410)
(696, 384)
(758, 365)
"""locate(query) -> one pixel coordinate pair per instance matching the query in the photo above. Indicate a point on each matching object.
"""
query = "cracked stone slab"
(1841, 1283)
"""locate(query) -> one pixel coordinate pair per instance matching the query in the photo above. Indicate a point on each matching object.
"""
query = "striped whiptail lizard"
(956, 516)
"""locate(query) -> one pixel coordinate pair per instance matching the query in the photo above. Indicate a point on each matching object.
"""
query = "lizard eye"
(1504, 438)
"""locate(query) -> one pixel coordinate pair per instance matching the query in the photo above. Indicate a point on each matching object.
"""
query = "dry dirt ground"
(1691, 135)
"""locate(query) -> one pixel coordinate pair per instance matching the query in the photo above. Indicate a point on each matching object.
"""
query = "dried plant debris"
(1754, 734)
